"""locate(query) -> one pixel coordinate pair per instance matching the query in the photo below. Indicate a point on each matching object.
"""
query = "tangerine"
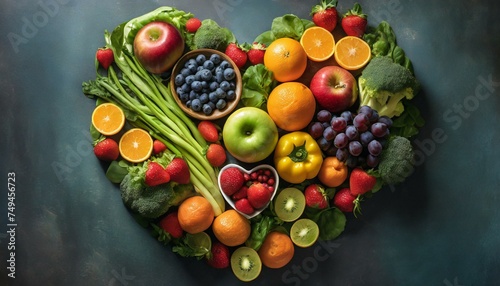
(291, 105)
(136, 145)
(195, 214)
(276, 250)
(231, 228)
(108, 119)
(318, 43)
(286, 58)
(352, 53)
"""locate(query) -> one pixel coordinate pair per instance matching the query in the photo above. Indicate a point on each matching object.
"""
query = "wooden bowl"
(216, 114)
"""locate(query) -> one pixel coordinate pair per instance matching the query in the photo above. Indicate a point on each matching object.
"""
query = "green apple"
(249, 134)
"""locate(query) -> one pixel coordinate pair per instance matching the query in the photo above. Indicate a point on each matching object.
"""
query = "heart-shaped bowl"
(231, 202)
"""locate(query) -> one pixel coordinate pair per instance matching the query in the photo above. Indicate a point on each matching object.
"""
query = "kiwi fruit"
(246, 263)
(289, 204)
(304, 232)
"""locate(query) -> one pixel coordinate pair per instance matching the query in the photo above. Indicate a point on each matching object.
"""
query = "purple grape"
(332, 151)
(323, 143)
(324, 116)
(372, 161)
(379, 129)
(342, 154)
(339, 124)
(374, 117)
(329, 133)
(325, 124)
(341, 140)
(352, 161)
(355, 148)
(365, 109)
(352, 133)
(316, 130)
(366, 137)
(374, 148)
(386, 120)
(361, 122)
(347, 115)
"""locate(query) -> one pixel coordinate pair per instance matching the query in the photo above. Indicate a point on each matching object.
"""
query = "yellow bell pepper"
(297, 157)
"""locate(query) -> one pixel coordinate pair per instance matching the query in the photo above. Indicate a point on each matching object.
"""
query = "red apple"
(334, 88)
(158, 45)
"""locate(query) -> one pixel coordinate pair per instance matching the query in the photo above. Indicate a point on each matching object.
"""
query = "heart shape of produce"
(231, 202)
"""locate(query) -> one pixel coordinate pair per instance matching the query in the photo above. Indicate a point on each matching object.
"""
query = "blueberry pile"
(206, 84)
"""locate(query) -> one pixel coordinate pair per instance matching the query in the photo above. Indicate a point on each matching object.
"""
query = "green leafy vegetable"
(261, 226)
(331, 222)
(286, 26)
(257, 82)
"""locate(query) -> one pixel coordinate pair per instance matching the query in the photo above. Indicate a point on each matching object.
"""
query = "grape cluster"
(355, 139)
(206, 84)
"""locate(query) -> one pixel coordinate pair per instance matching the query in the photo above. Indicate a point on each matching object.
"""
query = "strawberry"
(209, 131)
(325, 15)
(258, 195)
(219, 256)
(107, 150)
(179, 171)
(158, 147)
(361, 182)
(244, 206)
(354, 21)
(156, 175)
(216, 155)
(240, 194)
(105, 57)
(170, 223)
(256, 53)
(192, 25)
(237, 53)
(231, 180)
(344, 200)
(316, 197)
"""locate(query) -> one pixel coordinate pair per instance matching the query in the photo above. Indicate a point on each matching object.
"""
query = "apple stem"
(340, 85)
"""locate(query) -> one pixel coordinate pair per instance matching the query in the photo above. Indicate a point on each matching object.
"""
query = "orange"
(333, 172)
(318, 43)
(136, 145)
(352, 53)
(195, 214)
(291, 105)
(276, 250)
(286, 58)
(108, 119)
(231, 228)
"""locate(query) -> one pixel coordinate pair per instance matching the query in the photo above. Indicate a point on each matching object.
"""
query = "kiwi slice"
(304, 232)
(289, 204)
(246, 264)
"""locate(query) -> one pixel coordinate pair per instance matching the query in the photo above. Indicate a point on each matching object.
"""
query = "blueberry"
(205, 85)
(185, 72)
(203, 98)
(212, 105)
(196, 104)
(219, 76)
(200, 59)
(179, 79)
(225, 86)
(220, 93)
(207, 109)
(193, 94)
(214, 85)
(229, 74)
(215, 58)
(206, 74)
(221, 103)
(184, 97)
(191, 62)
(185, 88)
(196, 86)
(225, 64)
(188, 104)
(230, 95)
(209, 65)
(192, 68)
(189, 79)
(233, 85)
(213, 97)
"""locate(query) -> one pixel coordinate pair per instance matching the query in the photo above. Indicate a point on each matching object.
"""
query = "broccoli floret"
(397, 160)
(383, 85)
(211, 36)
(152, 202)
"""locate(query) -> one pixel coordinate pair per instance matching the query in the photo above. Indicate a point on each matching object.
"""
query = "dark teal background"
(441, 227)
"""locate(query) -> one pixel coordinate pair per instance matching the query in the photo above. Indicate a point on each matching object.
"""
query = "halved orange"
(318, 43)
(352, 53)
(108, 119)
(136, 145)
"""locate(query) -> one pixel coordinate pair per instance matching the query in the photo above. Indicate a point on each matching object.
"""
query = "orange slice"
(108, 119)
(318, 43)
(136, 145)
(352, 53)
